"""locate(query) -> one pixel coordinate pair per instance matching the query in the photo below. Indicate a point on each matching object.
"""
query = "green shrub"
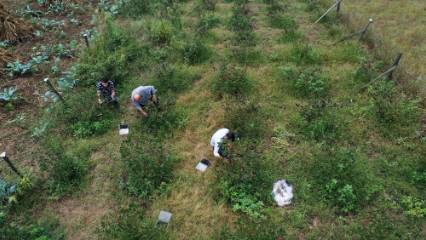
(395, 113)
(205, 5)
(87, 129)
(247, 119)
(48, 230)
(207, 22)
(304, 54)
(343, 179)
(232, 81)
(160, 32)
(320, 122)
(245, 39)
(286, 23)
(195, 52)
(287, 73)
(246, 55)
(171, 79)
(83, 120)
(165, 120)
(148, 166)
(67, 172)
(135, 8)
(129, 224)
(240, 21)
(246, 180)
(415, 208)
(311, 83)
(275, 6)
(313, 5)
(114, 54)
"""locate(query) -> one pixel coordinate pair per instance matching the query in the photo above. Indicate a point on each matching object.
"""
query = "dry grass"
(399, 26)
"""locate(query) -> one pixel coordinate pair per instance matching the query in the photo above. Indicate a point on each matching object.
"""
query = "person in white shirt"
(219, 137)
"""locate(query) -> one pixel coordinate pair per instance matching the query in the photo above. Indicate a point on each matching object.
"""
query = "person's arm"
(98, 93)
(140, 109)
(112, 89)
(143, 112)
(216, 150)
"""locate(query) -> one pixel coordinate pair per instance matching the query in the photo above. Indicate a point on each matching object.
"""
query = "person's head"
(137, 97)
(231, 136)
(104, 81)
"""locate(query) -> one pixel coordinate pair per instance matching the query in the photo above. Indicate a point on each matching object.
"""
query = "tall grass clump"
(232, 81)
(160, 32)
(394, 112)
(240, 21)
(148, 165)
(114, 54)
(321, 122)
(207, 21)
(136, 8)
(195, 52)
(205, 6)
(247, 119)
(311, 83)
(246, 55)
(169, 78)
(304, 54)
(66, 170)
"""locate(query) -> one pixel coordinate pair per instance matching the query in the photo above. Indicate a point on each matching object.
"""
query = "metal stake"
(364, 31)
(388, 73)
(10, 164)
(86, 38)
(49, 84)
(361, 33)
(338, 6)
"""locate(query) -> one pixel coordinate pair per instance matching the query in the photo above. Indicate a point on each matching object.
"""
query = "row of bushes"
(244, 183)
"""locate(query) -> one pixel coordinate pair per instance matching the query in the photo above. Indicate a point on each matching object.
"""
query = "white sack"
(282, 193)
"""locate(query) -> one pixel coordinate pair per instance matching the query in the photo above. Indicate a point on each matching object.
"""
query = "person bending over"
(218, 138)
(106, 92)
(141, 96)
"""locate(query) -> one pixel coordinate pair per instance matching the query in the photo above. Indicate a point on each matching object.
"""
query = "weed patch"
(311, 83)
(111, 55)
(304, 54)
(246, 180)
(195, 52)
(395, 114)
(130, 224)
(231, 81)
(342, 178)
(148, 166)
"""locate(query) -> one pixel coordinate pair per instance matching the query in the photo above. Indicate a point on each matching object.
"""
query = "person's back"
(217, 138)
(141, 97)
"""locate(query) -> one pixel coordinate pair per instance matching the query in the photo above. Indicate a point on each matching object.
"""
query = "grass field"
(305, 109)
(399, 26)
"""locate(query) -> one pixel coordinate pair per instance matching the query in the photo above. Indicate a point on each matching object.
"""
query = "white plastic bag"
(282, 193)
